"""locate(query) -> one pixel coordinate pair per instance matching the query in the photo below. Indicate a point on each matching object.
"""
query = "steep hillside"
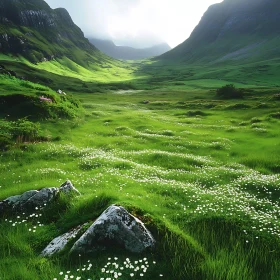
(128, 53)
(30, 28)
(45, 46)
(233, 30)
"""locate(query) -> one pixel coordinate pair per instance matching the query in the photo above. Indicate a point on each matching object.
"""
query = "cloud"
(138, 23)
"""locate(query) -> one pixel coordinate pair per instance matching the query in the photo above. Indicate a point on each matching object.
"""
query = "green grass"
(202, 173)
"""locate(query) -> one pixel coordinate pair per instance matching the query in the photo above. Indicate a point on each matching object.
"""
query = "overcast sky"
(136, 23)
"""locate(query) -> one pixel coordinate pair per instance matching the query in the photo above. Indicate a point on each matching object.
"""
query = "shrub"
(275, 115)
(256, 120)
(229, 92)
(237, 106)
(19, 131)
(25, 130)
(276, 96)
(195, 113)
(42, 106)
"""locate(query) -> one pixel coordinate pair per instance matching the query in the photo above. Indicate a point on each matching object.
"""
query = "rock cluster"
(114, 227)
(34, 198)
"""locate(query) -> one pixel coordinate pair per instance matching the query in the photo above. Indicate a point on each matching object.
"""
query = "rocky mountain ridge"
(32, 29)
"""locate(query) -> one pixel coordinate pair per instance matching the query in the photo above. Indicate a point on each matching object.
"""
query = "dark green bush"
(24, 129)
(276, 96)
(275, 115)
(237, 106)
(229, 92)
(19, 131)
(195, 113)
(5, 141)
(20, 106)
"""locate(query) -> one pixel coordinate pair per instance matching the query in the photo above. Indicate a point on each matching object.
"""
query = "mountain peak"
(64, 15)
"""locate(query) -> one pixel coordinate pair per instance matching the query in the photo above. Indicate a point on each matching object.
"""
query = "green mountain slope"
(32, 29)
(40, 44)
(234, 30)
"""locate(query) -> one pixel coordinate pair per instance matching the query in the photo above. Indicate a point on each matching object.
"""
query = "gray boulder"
(2, 207)
(59, 243)
(68, 188)
(26, 196)
(32, 199)
(115, 226)
(20, 200)
(42, 197)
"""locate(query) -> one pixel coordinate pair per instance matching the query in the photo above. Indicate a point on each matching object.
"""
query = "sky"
(136, 23)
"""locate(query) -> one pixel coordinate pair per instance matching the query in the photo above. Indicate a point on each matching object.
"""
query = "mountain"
(128, 53)
(234, 30)
(30, 28)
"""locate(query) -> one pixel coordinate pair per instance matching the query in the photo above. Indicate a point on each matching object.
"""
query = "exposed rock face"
(33, 13)
(31, 199)
(233, 29)
(115, 226)
(27, 26)
(59, 243)
(36, 19)
(3, 70)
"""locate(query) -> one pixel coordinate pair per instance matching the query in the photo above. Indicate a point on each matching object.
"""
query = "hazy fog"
(137, 23)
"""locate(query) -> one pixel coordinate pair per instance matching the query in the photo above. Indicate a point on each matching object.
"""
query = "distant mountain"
(234, 30)
(30, 28)
(128, 53)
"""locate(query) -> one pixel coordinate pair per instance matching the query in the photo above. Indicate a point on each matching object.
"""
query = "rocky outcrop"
(27, 27)
(115, 226)
(36, 19)
(5, 71)
(35, 199)
(33, 13)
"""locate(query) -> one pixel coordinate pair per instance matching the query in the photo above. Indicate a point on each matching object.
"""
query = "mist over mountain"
(233, 30)
(128, 53)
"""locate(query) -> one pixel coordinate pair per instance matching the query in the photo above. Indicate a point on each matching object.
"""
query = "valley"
(203, 170)
(199, 169)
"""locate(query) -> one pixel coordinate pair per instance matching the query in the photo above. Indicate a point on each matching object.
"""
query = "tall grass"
(198, 180)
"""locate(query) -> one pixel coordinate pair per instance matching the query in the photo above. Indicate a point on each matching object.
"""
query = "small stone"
(68, 187)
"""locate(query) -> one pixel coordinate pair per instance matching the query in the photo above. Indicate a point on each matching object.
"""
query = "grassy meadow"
(201, 172)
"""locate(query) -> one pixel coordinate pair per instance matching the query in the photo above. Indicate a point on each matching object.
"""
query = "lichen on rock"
(115, 226)
(36, 198)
